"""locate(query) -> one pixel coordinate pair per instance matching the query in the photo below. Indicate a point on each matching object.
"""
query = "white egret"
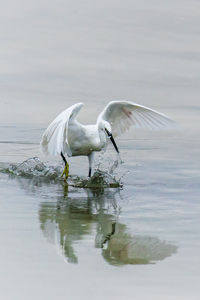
(66, 136)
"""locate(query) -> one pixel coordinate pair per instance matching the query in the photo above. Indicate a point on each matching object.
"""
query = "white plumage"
(67, 136)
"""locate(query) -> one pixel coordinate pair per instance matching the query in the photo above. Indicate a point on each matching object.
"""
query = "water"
(35, 169)
(132, 231)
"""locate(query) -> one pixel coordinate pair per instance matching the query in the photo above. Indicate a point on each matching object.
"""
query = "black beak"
(112, 140)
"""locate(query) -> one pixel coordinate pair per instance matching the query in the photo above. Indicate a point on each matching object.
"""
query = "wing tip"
(79, 104)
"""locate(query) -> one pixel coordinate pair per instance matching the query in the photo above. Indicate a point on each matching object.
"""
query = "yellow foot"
(66, 171)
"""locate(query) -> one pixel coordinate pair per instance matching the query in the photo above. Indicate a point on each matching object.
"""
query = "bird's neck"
(102, 135)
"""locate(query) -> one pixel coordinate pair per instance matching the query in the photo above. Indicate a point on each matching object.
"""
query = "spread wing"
(55, 138)
(123, 114)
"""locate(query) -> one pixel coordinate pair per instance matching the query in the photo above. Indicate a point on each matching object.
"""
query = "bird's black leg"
(90, 159)
(90, 171)
(64, 159)
(66, 169)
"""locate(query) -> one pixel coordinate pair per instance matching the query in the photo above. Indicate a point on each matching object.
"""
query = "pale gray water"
(140, 241)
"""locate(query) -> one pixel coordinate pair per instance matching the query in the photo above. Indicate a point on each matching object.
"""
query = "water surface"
(139, 238)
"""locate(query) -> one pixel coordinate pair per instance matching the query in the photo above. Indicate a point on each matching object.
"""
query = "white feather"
(123, 114)
(55, 138)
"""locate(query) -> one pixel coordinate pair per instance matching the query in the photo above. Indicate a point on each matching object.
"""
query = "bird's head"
(106, 128)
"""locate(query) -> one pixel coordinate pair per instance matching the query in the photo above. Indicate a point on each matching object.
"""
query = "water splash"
(35, 169)
(99, 179)
(109, 165)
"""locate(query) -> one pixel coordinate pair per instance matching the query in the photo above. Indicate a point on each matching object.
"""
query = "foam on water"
(34, 168)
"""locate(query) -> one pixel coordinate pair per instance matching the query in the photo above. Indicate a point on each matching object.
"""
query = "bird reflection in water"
(73, 218)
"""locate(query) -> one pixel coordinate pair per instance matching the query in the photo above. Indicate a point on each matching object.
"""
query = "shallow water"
(136, 239)
(130, 234)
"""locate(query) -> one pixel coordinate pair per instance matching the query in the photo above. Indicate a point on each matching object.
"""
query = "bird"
(67, 136)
